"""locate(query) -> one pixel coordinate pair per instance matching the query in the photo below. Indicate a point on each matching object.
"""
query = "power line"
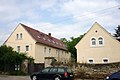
(89, 13)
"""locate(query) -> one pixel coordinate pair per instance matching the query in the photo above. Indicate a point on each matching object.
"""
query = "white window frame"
(105, 59)
(26, 48)
(21, 35)
(89, 60)
(17, 36)
(50, 50)
(102, 41)
(45, 49)
(18, 48)
(92, 42)
(17, 67)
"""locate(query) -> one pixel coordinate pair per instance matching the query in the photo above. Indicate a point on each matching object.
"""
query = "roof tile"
(44, 38)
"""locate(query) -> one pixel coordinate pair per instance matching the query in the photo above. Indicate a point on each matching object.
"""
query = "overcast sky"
(62, 18)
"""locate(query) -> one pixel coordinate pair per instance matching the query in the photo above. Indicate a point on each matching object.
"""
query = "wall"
(41, 53)
(22, 42)
(109, 50)
(96, 70)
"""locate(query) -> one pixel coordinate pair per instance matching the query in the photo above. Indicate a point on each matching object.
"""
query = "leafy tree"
(9, 58)
(117, 32)
(71, 45)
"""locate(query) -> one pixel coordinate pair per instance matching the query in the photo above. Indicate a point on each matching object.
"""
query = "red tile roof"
(44, 38)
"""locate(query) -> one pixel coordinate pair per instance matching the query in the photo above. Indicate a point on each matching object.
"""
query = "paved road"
(22, 78)
(14, 78)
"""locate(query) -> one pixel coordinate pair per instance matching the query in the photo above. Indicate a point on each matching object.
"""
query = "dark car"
(53, 73)
(114, 76)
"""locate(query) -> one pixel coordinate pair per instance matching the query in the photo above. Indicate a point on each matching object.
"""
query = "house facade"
(98, 47)
(38, 45)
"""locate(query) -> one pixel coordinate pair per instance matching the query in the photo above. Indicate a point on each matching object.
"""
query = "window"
(93, 41)
(100, 41)
(105, 60)
(17, 67)
(18, 48)
(17, 36)
(27, 48)
(49, 50)
(44, 49)
(20, 35)
(90, 60)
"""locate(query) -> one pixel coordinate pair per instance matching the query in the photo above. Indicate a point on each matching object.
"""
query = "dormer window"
(93, 41)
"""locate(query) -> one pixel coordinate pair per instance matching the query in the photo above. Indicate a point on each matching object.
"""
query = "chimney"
(49, 34)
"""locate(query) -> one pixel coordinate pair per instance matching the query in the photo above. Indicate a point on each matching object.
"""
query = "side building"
(42, 47)
(98, 47)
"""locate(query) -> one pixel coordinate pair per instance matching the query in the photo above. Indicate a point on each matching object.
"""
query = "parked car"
(114, 76)
(53, 73)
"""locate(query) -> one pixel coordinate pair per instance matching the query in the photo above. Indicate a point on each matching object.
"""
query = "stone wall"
(95, 70)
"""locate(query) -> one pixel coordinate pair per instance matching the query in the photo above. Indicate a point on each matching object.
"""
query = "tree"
(10, 58)
(71, 45)
(117, 33)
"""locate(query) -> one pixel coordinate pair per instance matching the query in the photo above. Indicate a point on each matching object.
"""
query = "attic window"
(60, 44)
(49, 40)
(38, 36)
(53, 41)
(20, 35)
(17, 36)
(93, 41)
(100, 41)
(96, 31)
(44, 38)
(57, 43)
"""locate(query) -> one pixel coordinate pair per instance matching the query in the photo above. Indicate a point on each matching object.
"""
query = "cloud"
(62, 18)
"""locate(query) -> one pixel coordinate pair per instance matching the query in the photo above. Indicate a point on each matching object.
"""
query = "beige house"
(98, 47)
(40, 46)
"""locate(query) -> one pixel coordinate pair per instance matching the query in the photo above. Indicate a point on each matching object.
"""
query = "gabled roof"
(45, 39)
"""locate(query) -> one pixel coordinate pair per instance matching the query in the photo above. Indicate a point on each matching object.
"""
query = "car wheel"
(34, 78)
(57, 78)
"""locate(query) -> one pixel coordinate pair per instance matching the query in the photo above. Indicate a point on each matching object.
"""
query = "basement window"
(105, 60)
(90, 61)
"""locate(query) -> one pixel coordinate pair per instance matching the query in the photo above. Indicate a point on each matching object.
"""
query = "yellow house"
(98, 47)
(38, 45)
